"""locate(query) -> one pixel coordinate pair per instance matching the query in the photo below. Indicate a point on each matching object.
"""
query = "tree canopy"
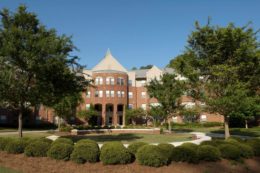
(36, 66)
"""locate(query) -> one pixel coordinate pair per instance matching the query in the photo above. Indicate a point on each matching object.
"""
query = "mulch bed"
(42, 165)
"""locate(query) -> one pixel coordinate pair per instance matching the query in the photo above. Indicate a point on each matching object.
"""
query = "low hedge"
(85, 151)
(17, 146)
(151, 155)
(37, 148)
(214, 142)
(230, 151)
(185, 153)
(115, 153)
(4, 142)
(60, 151)
(63, 140)
(133, 147)
(208, 153)
(167, 150)
(49, 141)
(255, 144)
(86, 141)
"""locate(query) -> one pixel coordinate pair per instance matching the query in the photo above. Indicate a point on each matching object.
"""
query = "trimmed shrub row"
(115, 153)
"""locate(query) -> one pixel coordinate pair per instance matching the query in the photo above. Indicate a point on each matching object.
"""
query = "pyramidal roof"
(109, 63)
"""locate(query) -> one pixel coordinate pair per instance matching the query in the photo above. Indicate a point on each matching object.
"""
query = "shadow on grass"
(107, 137)
(182, 130)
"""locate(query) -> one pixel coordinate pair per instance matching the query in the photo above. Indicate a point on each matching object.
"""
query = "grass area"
(30, 135)
(195, 129)
(130, 138)
(253, 132)
(7, 170)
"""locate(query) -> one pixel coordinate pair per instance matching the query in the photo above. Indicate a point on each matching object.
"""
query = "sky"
(138, 32)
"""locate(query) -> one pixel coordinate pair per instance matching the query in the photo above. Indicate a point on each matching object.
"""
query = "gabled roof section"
(109, 63)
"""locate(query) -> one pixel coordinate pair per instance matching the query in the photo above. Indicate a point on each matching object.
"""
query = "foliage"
(16, 146)
(60, 151)
(37, 148)
(4, 142)
(65, 128)
(89, 115)
(85, 151)
(133, 114)
(229, 151)
(151, 155)
(146, 67)
(39, 58)
(157, 113)
(63, 140)
(255, 144)
(185, 154)
(214, 142)
(167, 150)
(115, 153)
(208, 153)
(191, 114)
(87, 141)
(133, 147)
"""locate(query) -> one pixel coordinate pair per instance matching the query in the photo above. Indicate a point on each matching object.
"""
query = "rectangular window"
(120, 81)
(112, 81)
(99, 81)
(87, 106)
(143, 106)
(100, 94)
(96, 93)
(143, 82)
(107, 93)
(130, 95)
(88, 94)
(112, 93)
(108, 81)
(143, 94)
(130, 83)
(130, 106)
(123, 93)
(118, 93)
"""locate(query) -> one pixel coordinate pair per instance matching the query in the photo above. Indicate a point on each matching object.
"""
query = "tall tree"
(35, 63)
(227, 64)
(167, 90)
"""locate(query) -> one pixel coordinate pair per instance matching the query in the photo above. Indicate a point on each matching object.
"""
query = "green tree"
(89, 115)
(157, 114)
(133, 114)
(35, 63)
(167, 91)
(146, 67)
(227, 64)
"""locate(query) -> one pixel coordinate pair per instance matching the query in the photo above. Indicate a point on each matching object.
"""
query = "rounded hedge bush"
(185, 153)
(133, 147)
(85, 152)
(215, 142)
(37, 148)
(4, 142)
(208, 153)
(63, 140)
(115, 153)
(60, 151)
(86, 141)
(246, 151)
(167, 150)
(229, 151)
(255, 144)
(49, 141)
(17, 146)
(151, 155)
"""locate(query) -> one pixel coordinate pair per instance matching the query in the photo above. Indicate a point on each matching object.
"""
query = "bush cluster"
(63, 140)
(255, 144)
(115, 153)
(135, 146)
(185, 153)
(16, 146)
(151, 155)
(167, 150)
(38, 148)
(229, 151)
(208, 153)
(60, 151)
(4, 142)
(85, 151)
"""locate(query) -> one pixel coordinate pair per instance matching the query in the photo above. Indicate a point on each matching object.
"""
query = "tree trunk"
(226, 124)
(20, 124)
(59, 123)
(169, 125)
(246, 124)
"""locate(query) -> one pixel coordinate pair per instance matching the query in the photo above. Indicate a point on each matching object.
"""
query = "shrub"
(208, 153)
(86, 141)
(60, 151)
(4, 142)
(85, 152)
(135, 146)
(65, 128)
(16, 146)
(215, 142)
(185, 153)
(246, 151)
(115, 153)
(229, 151)
(255, 144)
(191, 145)
(151, 155)
(49, 141)
(37, 148)
(167, 150)
(63, 140)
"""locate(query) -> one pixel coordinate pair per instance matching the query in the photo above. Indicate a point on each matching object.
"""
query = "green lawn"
(130, 138)
(7, 170)
(253, 132)
(30, 135)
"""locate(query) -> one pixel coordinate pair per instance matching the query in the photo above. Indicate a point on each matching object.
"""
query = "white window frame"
(112, 93)
(143, 94)
(100, 94)
(130, 95)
